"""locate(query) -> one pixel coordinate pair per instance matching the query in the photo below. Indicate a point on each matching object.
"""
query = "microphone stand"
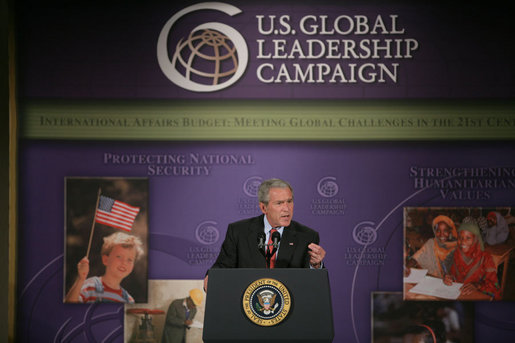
(263, 249)
(268, 255)
(262, 245)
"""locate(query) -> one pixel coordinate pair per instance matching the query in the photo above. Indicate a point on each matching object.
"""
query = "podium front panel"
(309, 319)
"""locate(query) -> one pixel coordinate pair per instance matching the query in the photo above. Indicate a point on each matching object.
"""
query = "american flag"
(115, 213)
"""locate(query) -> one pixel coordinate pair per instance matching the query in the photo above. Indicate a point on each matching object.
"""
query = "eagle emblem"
(267, 304)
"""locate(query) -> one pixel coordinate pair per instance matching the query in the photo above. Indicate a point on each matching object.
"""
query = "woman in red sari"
(473, 266)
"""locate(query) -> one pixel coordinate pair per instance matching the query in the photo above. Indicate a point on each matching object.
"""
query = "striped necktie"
(271, 248)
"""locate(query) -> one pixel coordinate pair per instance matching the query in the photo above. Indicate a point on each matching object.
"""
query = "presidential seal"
(266, 302)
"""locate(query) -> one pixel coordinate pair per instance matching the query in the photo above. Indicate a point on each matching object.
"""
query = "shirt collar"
(268, 227)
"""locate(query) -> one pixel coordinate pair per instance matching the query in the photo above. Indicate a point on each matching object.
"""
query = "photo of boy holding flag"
(119, 250)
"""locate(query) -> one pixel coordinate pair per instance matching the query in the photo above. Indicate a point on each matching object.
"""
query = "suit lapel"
(256, 227)
(287, 247)
(182, 310)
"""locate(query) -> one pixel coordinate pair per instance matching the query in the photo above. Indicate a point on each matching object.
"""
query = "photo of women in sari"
(436, 255)
(472, 265)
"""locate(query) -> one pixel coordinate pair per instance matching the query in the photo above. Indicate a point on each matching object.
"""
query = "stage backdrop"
(364, 109)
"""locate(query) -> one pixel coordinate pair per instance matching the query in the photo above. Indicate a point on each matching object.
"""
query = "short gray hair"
(264, 188)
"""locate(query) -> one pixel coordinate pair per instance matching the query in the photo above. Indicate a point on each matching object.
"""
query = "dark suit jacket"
(239, 250)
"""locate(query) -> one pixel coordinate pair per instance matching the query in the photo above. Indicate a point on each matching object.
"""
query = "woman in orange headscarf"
(473, 266)
(436, 255)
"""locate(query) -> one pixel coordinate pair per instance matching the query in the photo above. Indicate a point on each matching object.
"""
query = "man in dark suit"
(298, 247)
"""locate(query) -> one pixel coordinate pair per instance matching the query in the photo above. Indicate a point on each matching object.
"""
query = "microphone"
(261, 237)
(261, 240)
(276, 237)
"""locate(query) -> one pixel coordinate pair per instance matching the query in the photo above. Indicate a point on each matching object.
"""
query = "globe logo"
(207, 233)
(207, 56)
(327, 187)
(213, 57)
(364, 233)
(251, 186)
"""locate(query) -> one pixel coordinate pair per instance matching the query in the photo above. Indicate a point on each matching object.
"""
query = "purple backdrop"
(351, 193)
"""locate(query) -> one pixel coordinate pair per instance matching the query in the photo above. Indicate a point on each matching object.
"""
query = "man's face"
(279, 210)
(491, 221)
(190, 303)
(120, 262)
